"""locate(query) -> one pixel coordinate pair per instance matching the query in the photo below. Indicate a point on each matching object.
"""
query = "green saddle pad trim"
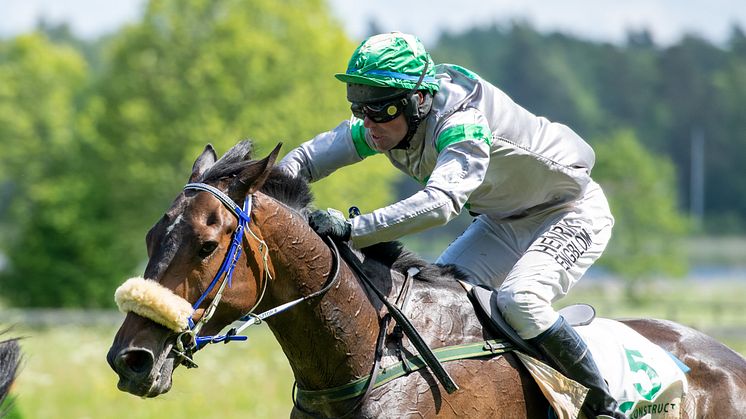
(447, 353)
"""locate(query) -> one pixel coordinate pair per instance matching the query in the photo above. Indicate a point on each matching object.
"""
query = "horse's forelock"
(291, 191)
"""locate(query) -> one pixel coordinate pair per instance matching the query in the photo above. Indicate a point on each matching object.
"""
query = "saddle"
(484, 300)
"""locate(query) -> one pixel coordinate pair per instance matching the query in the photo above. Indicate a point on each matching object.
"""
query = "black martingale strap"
(409, 330)
(401, 301)
(371, 378)
(398, 334)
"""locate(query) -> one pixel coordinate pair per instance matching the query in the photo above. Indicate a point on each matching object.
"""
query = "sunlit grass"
(65, 375)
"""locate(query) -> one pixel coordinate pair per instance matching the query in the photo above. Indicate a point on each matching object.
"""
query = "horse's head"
(188, 250)
(10, 356)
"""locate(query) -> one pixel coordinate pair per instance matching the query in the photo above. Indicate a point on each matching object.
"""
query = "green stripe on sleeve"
(465, 71)
(458, 133)
(358, 138)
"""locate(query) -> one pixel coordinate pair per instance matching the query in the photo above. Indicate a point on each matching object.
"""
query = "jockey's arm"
(319, 157)
(459, 170)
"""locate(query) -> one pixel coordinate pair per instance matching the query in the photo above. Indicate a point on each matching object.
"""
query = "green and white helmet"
(387, 64)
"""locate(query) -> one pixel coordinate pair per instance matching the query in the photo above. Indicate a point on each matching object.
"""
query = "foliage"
(648, 230)
(110, 153)
(99, 135)
(664, 94)
(49, 194)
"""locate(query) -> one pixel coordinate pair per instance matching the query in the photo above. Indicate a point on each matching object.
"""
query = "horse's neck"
(330, 339)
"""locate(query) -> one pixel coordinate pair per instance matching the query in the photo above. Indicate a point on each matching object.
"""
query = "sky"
(600, 20)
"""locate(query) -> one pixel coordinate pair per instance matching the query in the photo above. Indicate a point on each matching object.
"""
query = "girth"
(488, 348)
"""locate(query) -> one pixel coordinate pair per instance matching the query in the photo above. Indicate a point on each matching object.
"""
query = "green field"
(65, 374)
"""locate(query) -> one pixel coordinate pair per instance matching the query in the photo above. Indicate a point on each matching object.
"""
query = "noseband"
(188, 341)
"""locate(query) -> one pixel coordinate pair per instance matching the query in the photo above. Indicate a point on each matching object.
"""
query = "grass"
(65, 375)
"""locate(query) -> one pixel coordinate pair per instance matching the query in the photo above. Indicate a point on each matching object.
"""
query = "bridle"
(189, 341)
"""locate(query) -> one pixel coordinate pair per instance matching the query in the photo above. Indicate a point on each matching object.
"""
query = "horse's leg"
(717, 381)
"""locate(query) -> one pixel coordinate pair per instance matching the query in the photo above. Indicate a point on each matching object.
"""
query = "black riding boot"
(563, 347)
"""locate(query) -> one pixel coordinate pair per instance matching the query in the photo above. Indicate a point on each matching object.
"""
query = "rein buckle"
(184, 350)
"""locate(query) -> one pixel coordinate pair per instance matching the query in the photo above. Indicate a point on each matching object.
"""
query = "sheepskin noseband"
(152, 300)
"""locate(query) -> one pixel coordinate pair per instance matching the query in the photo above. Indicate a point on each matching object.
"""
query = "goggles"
(379, 112)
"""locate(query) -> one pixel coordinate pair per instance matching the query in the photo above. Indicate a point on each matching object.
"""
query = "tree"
(725, 146)
(40, 86)
(191, 72)
(642, 194)
(221, 71)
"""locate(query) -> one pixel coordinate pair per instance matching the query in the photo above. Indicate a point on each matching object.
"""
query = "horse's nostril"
(137, 361)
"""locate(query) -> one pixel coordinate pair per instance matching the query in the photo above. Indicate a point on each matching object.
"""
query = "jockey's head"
(390, 75)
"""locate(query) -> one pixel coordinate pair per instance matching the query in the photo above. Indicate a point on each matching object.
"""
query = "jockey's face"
(386, 135)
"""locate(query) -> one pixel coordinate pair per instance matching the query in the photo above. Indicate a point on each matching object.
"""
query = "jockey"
(540, 220)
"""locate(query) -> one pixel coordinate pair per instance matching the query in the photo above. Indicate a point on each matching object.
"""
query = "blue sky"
(598, 20)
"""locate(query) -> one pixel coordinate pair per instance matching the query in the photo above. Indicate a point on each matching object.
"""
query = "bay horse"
(330, 340)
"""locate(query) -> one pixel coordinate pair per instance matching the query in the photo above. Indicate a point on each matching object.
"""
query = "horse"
(330, 340)
(10, 357)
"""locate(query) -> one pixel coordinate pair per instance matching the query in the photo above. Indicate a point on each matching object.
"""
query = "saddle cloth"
(645, 379)
(642, 376)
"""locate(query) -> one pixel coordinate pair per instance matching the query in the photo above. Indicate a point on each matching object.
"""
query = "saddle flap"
(485, 300)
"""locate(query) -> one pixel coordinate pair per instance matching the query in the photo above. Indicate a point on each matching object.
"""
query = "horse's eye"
(207, 248)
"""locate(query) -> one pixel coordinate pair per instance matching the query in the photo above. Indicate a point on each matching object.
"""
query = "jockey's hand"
(330, 223)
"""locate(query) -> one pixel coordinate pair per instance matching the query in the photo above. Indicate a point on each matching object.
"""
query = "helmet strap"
(412, 111)
(414, 118)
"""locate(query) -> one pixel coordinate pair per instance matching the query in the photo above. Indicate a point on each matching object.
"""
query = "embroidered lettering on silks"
(563, 242)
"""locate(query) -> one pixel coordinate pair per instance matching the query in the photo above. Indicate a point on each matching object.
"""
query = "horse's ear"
(203, 162)
(254, 175)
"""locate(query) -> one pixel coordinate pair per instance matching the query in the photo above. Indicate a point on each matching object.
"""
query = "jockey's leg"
(567, 244)
(485, 251)
(567, 351)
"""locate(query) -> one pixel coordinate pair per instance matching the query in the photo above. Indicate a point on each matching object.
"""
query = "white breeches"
(534, 261)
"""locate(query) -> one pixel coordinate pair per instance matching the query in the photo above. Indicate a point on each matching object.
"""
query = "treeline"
(98, 137)
(668, 96)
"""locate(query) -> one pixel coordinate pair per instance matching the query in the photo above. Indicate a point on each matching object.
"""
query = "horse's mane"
(395, 256)
(295, 193)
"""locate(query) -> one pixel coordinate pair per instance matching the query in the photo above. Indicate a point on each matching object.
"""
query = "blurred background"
(105, 105)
